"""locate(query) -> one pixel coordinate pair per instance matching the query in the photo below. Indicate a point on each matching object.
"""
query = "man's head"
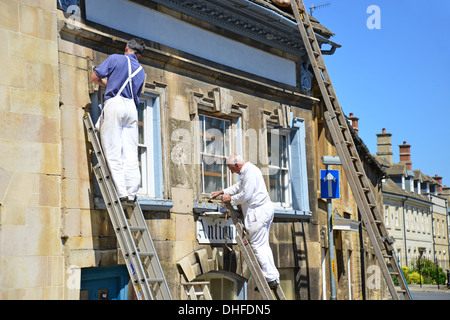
(135, 46)
(235, 163)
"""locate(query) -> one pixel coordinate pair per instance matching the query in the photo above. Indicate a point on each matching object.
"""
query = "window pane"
(141, 122)
(202, 135)
(274, 180)
(141, 156)
(214, 174)
(283, 151)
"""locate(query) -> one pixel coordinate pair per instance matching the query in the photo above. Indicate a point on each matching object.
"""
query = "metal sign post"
(329, 189)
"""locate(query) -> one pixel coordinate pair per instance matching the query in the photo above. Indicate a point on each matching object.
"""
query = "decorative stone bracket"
(219, 100)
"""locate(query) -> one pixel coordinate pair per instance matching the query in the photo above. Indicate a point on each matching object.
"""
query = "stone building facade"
(415, 207)
(221, 78)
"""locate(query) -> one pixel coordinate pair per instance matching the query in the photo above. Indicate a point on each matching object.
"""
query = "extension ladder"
(197, 290)
(252, 262)
(359, 183)
(133, 236)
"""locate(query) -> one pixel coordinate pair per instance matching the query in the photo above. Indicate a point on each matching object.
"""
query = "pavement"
(429, 288)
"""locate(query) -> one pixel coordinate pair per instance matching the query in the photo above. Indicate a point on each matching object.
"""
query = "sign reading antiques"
(215, 230)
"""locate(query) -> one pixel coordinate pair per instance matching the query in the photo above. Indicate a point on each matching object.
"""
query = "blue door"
(104, 283)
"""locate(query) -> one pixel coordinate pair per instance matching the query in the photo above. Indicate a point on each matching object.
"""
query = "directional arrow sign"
(329, 184)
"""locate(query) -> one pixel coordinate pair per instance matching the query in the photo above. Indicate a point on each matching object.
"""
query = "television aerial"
(314, 7)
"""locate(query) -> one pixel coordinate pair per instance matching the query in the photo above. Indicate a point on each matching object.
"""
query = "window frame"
(286, 184)
(152, 173)
(298, 175)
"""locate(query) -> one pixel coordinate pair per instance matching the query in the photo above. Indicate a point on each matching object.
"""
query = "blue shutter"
(298, 171)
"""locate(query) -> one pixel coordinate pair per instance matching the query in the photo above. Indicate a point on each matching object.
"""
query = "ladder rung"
(137, 228)
(359, 173)
(146, 254)
(128, 203)
(154, 280)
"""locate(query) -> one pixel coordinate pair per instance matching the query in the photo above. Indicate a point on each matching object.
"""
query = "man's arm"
(95, 79)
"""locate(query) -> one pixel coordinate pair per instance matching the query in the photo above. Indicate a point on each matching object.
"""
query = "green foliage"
(414, 277)
(425, 270)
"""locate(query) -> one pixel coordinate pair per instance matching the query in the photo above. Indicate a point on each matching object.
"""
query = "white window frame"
(274, 167)
(151, 161)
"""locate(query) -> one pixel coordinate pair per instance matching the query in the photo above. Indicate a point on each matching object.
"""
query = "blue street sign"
(329, 184)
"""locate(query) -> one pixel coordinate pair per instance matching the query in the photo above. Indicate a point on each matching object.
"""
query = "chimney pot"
(354, 122)
(405, 155)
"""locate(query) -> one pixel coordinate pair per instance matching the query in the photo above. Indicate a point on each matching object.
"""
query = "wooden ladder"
(361, 187)
(252, 263)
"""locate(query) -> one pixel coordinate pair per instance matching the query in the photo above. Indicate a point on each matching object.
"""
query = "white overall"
(118, 126)
(251, 193)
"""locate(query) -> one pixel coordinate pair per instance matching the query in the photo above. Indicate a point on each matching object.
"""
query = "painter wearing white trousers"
(251, 193)
(123, 77)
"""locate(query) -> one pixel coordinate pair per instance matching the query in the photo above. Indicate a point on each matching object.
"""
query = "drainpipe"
(432, 232)
(362, 257)
(404, 231)
(448, 240)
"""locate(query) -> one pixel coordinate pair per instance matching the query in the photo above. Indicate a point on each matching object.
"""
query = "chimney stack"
(384, 146)
(438, 179)
(354, 122)
(405, 155)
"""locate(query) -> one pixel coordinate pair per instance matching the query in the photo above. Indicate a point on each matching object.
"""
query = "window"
(396, 217)
(279, 178)
(386, 215)
(288, 179)
(150, 134)
(149, 147)
(214, 149)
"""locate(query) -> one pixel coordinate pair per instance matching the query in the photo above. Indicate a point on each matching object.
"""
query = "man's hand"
(95, 79)
(226, 198)
(215, 194)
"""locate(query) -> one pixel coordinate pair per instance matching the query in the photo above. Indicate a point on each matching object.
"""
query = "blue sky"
(396, 77)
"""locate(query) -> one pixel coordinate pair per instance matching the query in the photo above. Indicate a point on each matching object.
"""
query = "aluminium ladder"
(133, 236)
(359, 183)
(252, 262)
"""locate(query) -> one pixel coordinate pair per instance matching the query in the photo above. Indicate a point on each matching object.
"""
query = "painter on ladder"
(123, 77)
(251, 193)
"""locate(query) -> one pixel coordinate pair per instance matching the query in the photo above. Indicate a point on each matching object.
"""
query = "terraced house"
(223, 77)
(415, 207)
